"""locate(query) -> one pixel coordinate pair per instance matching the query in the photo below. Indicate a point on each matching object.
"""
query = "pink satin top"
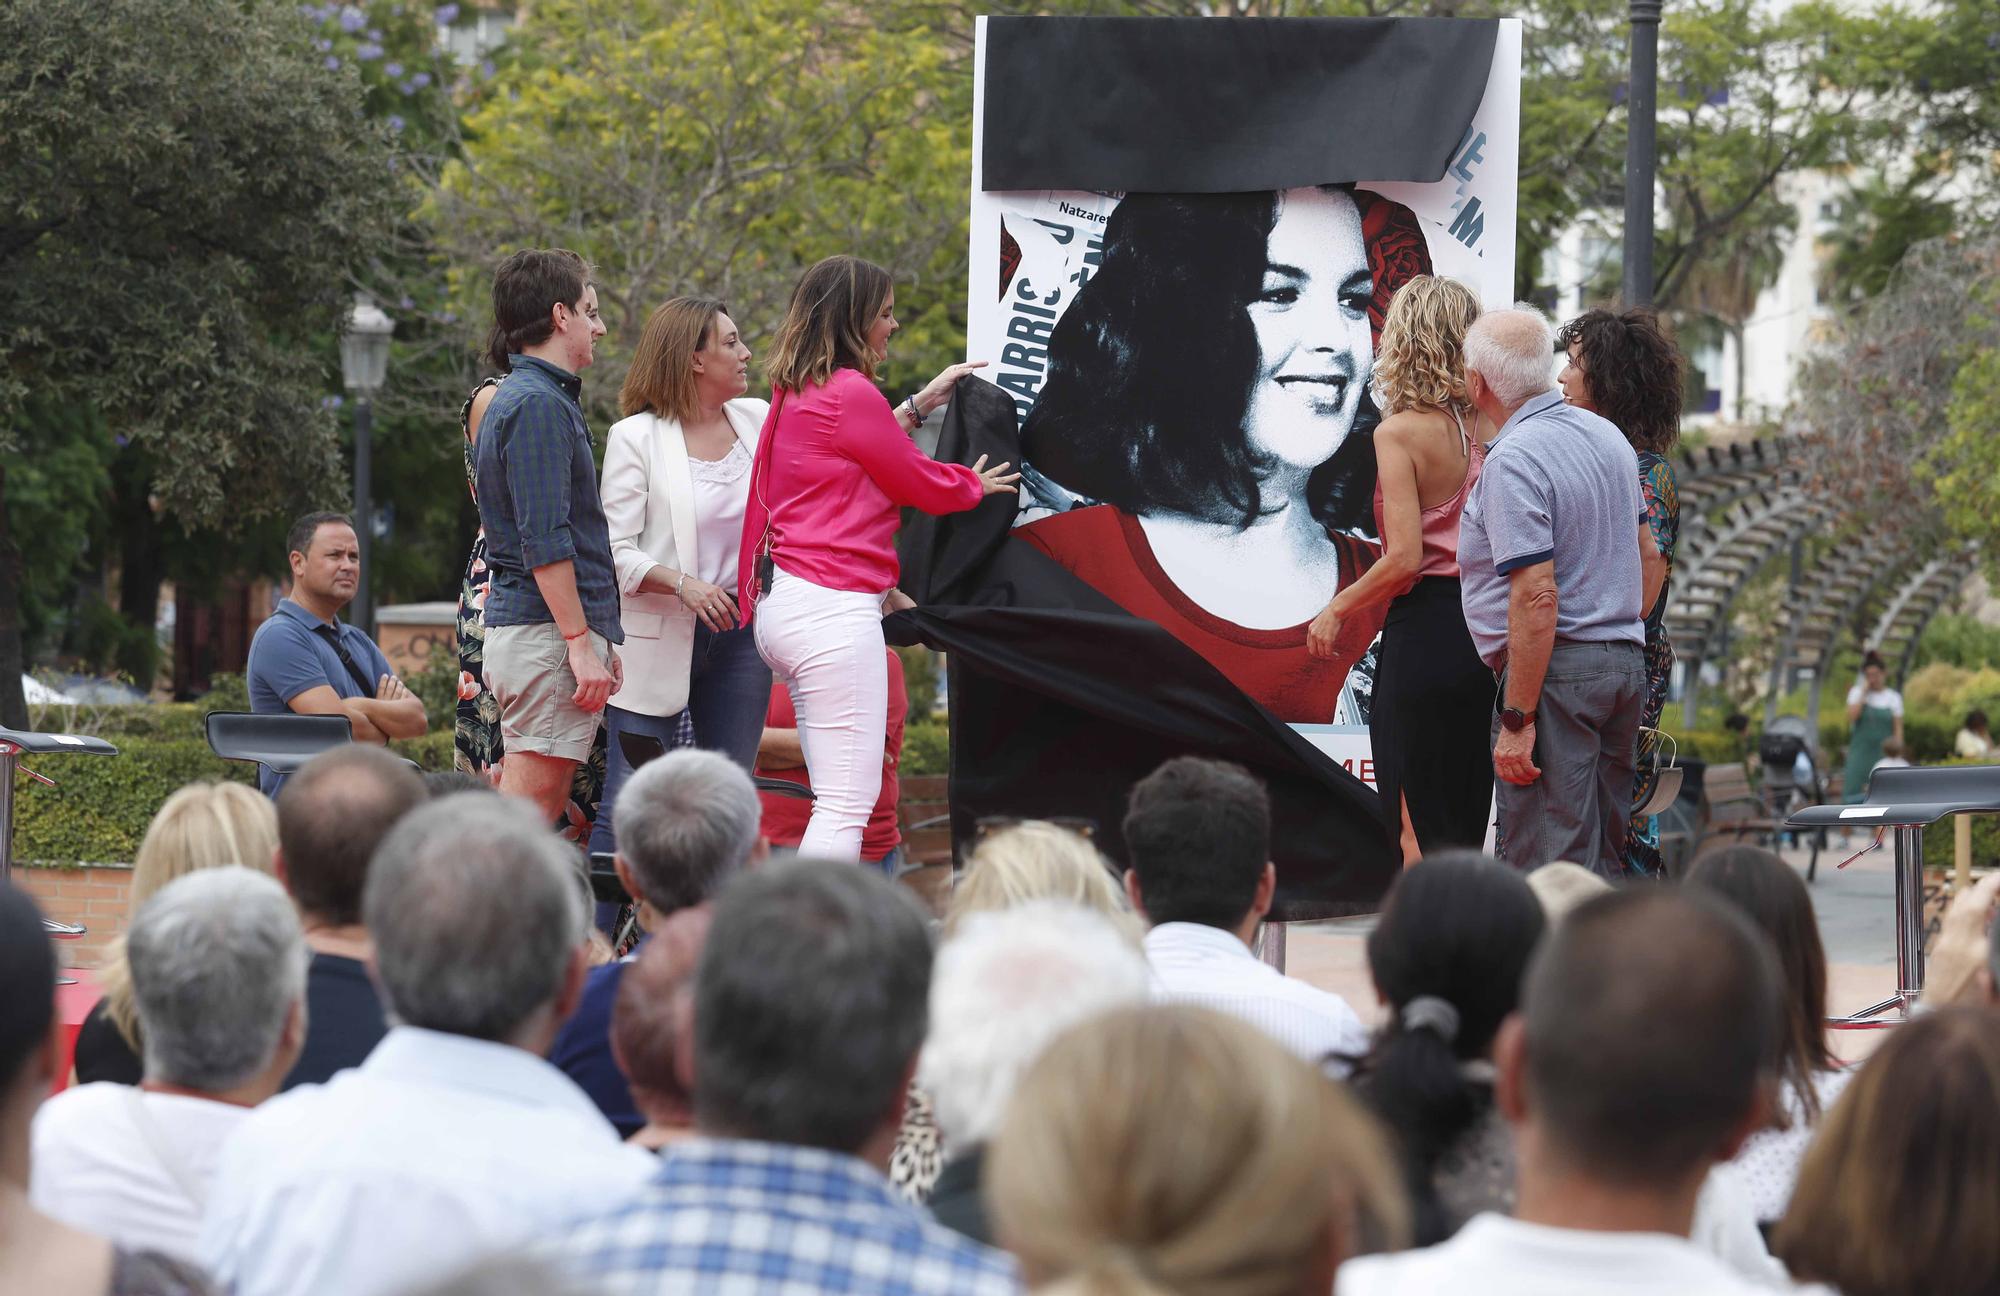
(1440, 520)
(833, 472)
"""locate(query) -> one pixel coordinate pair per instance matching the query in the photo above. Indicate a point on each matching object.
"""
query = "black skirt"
(1430, 721)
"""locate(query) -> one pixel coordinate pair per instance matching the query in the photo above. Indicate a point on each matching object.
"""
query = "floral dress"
(1663, 513)
(477, 734)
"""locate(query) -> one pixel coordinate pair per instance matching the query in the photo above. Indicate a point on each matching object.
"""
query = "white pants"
(826, 645)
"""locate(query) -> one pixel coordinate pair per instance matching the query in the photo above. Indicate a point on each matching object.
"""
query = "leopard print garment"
(919, 1154)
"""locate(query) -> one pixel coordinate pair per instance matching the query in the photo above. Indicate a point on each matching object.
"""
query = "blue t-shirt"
(582, 1050)
(289, 655)
(1560, 484)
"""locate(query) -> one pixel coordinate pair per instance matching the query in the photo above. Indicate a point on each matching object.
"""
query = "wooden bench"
(1737, 810)
(1734, 807)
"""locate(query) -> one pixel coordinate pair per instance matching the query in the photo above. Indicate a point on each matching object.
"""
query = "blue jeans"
(729, 693)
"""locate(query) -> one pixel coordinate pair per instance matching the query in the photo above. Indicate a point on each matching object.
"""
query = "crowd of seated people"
(370, 1057)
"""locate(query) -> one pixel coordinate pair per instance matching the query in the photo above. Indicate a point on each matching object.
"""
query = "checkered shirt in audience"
(733, 1217)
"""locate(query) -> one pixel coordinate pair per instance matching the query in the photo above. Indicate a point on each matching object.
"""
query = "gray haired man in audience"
(687, 822)
(218, 976)
(1557, 563)
(808, 1014)
(455, 1138)
(1005, 986)
(1645, 1053)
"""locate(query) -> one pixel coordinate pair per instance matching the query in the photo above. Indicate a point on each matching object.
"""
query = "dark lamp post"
(364, 363)
(1641, 110)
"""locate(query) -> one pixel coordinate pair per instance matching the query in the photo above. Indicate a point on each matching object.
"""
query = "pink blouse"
(1440, 520)
(833, 471)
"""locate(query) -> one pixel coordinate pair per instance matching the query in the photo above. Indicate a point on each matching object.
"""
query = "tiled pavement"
(1855, 907)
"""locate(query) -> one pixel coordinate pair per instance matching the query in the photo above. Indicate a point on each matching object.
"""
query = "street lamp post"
(364, 363)
(1641, 109)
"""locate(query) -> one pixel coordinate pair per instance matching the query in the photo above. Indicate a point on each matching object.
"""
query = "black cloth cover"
(1061, 700)
(1196, 105)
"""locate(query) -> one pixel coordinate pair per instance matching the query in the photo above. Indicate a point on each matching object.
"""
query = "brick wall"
(98, 897)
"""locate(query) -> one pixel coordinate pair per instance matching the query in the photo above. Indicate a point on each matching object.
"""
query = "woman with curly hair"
(1433, 696)
(1624, 367)
(1207, 413)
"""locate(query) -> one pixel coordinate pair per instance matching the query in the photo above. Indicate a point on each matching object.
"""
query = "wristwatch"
(1514, 719)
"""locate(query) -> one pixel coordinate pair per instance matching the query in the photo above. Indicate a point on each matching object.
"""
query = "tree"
(1959, 464)
(716, 148)
(1897, 419)
(186, 191)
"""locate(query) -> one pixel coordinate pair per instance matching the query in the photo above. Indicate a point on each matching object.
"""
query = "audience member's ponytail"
(1447, 957)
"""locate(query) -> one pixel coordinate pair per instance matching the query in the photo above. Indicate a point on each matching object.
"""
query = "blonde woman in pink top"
(834, 469)
(1433, 703)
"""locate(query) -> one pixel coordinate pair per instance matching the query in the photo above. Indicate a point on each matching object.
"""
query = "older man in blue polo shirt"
(1557, 564)
(305, 659)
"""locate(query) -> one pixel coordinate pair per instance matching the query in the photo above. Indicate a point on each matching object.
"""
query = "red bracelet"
(578, 635)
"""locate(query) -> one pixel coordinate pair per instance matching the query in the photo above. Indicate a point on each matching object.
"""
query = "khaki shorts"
(527, 671)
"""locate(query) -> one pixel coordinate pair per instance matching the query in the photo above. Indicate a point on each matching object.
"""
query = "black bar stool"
(1907, 801)
(284, 743)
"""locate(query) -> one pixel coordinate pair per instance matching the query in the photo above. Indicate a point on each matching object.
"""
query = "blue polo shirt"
(289, 655)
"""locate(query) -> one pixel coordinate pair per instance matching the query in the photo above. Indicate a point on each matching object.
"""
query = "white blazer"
(648, 496)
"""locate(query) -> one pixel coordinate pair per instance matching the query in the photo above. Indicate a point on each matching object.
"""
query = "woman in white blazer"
(676, 477)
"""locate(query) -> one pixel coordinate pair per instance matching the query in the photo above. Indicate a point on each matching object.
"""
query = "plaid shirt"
(538, 499)
(740, 1218)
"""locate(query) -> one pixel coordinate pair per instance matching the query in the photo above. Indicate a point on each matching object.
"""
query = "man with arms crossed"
(552, 606)
(304, 659)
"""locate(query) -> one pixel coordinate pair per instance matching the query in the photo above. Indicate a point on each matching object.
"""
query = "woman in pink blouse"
(834, 468)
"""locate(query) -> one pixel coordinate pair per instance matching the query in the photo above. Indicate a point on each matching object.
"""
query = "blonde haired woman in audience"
(1171, 1149)
(1016, 865)
(1037, 860)
(204, 825)
(1899, 1191)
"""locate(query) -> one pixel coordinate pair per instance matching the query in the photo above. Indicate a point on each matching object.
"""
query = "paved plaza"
(1856, 920)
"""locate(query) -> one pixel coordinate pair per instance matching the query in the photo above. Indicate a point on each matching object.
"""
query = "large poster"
(1185, 235)
(1191, 374)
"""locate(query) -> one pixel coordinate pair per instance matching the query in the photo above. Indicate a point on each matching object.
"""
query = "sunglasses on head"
(986, 825)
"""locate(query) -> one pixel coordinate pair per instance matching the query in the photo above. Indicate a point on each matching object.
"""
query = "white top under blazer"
(649, 504)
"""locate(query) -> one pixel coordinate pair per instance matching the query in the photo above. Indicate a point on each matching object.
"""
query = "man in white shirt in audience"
(218, 977)
(1198, 835)
(1644, 1054)
(455, 1138)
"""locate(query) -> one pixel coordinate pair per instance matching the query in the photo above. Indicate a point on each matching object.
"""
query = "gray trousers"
(1586, 737)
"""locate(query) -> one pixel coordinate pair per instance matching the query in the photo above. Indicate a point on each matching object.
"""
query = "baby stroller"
(1792, 778)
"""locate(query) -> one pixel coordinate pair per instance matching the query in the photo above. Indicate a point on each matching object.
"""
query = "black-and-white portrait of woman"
(1206, 413)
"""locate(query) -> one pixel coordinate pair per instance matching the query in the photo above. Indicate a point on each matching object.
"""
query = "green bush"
(921, 678)
(1938, 844)
(436, 685)
(1928, 736)
(1715, 746)
(926, 748)
(1960, 640)
(162, 720)
(100, 806)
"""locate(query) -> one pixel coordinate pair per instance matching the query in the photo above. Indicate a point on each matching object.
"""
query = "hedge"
(100, 806)
(926, 748)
